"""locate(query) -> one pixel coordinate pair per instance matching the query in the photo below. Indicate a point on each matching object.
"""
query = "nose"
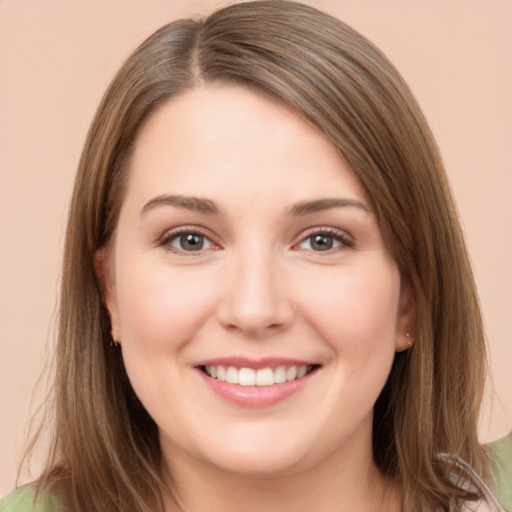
(255, 300)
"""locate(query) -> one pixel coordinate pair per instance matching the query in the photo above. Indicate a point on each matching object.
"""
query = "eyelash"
(345, 242)
(334, 234)
(170, 236)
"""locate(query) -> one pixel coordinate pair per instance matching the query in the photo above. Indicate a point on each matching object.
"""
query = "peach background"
(56, 58)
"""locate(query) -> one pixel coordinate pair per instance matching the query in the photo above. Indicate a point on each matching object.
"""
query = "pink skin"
(258, 289)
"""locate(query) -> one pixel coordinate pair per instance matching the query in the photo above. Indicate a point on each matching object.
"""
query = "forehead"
(229, 139)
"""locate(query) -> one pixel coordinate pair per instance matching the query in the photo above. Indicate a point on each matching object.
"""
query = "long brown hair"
(105, 449)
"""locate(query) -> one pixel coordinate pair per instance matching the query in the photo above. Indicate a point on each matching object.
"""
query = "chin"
(258, 465)
(261, 454)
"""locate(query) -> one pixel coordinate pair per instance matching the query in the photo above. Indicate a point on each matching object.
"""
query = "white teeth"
(291, 373)
(302, 371)
(265, 377)
(280, 375)
(251, 377)
(232, 375)
(246, 377)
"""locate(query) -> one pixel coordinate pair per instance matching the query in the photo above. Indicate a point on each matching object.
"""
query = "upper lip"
(256, 364)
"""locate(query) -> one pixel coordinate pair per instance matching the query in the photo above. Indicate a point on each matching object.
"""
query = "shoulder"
(23, 500)
(500, 452)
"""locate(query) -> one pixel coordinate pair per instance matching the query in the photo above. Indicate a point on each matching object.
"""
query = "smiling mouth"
(260, 377)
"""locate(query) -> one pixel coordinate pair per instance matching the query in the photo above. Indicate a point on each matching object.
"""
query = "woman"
(265, 286)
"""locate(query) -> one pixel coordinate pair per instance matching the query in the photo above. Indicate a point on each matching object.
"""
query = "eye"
(324, 241)
(187, 241)
(191, 242)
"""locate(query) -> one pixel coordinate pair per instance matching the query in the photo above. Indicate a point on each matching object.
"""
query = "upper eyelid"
(329, 230)
(186, 229)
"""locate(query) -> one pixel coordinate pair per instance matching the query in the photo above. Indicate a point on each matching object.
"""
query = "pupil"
(322, 243)
(192, 242)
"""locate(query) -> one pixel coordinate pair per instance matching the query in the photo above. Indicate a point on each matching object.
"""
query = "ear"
(406, 319)
(104, 269)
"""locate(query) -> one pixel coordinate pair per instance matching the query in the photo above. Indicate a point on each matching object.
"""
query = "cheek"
(355, 309)
(160, 306)
(356, 316)
(160, 310)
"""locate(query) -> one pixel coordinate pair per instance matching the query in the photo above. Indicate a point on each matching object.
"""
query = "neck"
(352, 483)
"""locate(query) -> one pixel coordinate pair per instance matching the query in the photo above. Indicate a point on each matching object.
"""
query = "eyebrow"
(318, 205)
(209, 207)
(195, 204)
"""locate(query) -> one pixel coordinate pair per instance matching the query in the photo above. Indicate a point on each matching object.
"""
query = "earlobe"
(406, 320)
(405, 341)
(106, 280)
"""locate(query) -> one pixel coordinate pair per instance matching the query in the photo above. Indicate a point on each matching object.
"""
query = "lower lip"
(255, 396)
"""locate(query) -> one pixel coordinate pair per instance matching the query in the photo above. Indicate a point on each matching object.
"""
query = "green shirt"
(22, 499)
(500, 452)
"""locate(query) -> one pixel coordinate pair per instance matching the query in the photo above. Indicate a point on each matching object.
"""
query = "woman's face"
(247, 251)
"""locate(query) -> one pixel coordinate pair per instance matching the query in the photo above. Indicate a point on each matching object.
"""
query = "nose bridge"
(255, 300)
